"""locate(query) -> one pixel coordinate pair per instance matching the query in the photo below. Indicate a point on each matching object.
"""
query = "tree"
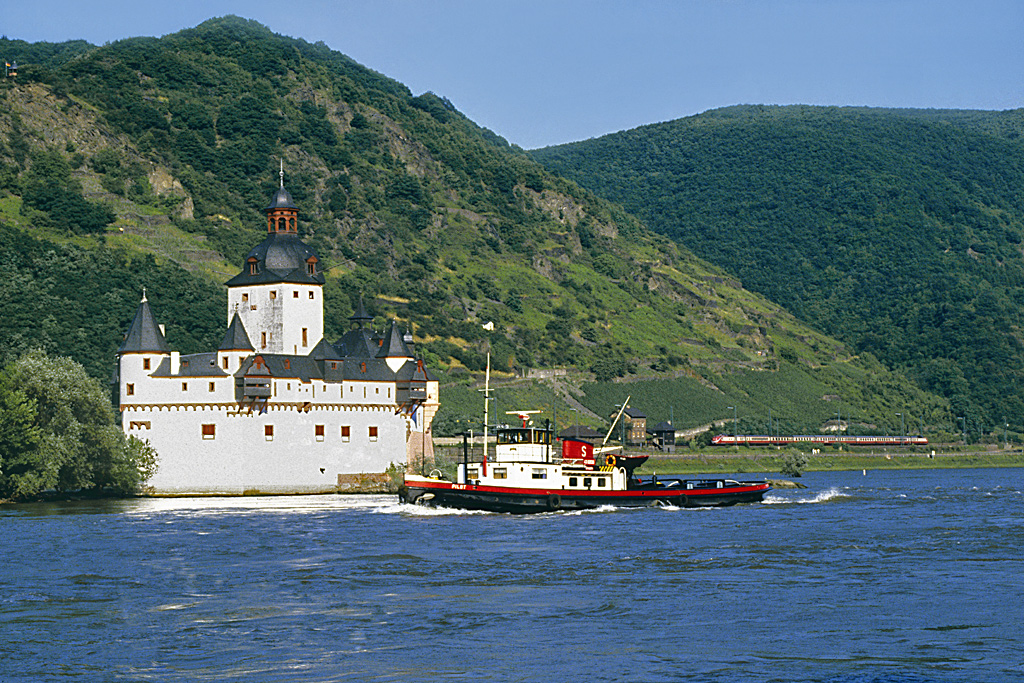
(73, 443)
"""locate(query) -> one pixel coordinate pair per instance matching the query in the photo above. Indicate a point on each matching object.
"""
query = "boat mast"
(487, 399)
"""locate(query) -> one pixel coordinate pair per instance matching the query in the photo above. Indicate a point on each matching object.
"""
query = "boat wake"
(827, 496)
(413, 510)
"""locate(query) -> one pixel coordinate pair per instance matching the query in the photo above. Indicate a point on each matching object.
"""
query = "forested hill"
(145, 163)
(900, 232)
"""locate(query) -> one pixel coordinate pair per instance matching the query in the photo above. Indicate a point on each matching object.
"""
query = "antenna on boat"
(523, 415)
(487, 400)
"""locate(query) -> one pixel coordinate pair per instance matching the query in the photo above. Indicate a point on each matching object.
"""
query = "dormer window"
(253, 266)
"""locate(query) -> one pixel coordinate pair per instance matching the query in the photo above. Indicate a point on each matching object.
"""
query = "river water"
(908, 576)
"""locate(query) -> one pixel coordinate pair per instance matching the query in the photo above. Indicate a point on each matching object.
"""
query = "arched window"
(282, 224)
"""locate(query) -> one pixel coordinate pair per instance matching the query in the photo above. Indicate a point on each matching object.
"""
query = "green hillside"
(900, 232)
(145, 163)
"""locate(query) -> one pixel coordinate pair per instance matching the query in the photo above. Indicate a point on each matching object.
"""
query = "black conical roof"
(144, 335)
(393, 345)
(236, 338)
(361, 316)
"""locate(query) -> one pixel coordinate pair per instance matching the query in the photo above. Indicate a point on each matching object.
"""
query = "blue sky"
(542, 72)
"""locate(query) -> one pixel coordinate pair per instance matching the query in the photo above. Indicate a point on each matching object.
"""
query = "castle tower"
(143, 350)
(278, 295)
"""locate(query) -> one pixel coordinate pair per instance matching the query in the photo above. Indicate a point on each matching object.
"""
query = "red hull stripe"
(654, 493)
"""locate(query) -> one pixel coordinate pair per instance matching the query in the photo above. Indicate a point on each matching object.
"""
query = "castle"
(276, 408)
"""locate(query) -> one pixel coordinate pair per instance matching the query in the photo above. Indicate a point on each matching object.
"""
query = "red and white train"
(817, 439)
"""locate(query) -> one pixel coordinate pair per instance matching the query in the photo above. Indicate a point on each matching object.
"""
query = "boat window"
(540, 473)
(573, 481)
(500, 473)
(531, 436)
(472, 473)
(600, 482)
(587, 481)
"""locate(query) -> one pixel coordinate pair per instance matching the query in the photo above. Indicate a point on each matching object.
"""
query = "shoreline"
(772, 463)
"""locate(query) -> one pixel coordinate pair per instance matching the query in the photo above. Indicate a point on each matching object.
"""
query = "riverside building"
(276, 408)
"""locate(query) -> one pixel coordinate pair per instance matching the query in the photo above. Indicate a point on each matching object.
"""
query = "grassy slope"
(438, 222)
(899, 232)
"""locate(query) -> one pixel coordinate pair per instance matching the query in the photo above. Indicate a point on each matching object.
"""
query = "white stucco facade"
(276, 409)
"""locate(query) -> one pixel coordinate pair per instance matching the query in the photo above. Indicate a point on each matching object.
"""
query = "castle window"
(334, 366)
(346, 433)
(212, 387)
(287, 363)
(225, 362)
(373, 433)
(311, 293)
(305, 336)
(141, 424)
(253, 266)
(129, 389)
(282, 224)
(145, 364)
(184, 386)
(311, 269)
(209, 431)
(268, 432)
(319, 431)
(245, 297)
(273, 295)
(295, 294)
(263, 340)
(292, 222)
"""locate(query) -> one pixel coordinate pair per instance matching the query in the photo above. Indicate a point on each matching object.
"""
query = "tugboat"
(527, 476)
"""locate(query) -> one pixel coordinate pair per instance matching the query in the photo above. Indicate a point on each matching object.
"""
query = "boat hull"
(525, 501)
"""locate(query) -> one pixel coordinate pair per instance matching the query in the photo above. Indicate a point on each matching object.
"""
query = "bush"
(793, 464)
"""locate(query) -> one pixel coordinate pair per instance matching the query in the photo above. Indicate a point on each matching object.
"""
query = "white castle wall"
(240, 458)
(281, 311)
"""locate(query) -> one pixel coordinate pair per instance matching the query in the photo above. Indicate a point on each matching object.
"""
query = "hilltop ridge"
(145, 163)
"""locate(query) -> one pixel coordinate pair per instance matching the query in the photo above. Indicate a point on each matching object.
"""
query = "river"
(888, 576)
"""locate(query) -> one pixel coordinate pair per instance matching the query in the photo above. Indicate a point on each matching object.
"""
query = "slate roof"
(192, 365)
(361, 316)
(281, 257)
(358, 343)
(393, 345)
(236, 338)
(144, 335)
(415, 372)
(282, 199)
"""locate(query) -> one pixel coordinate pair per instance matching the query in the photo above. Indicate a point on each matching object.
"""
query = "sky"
(544, 72)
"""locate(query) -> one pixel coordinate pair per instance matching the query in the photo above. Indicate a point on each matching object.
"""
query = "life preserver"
(554, 501)
(610, 460)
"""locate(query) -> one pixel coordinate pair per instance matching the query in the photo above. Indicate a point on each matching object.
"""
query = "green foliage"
(793, 464)
(58, 432)
(439, 222)
(899, 232)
